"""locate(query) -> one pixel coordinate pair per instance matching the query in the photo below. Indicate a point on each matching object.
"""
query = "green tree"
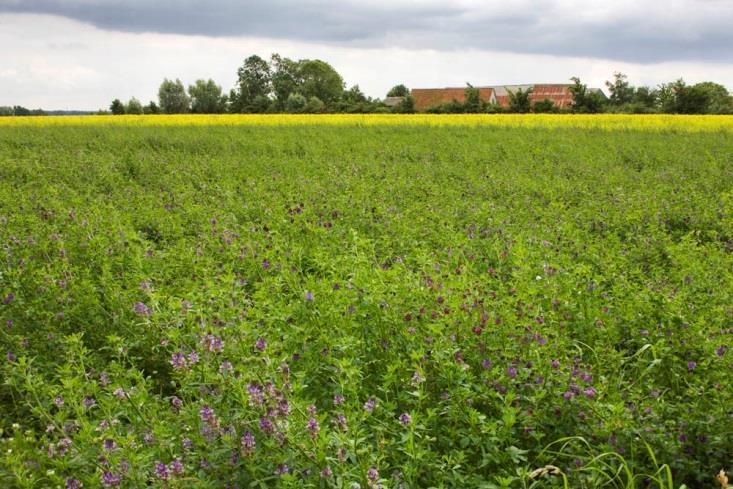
(406, 105)
(117, 107)
(206, 97)
(172, 97)
(398, 91)
(151, 108)
(519, 101)
(6, 111)
(133, 106)
(254, 82)
(319, 79)
(314, 106)
(284, 78)
(544, 106)
(620, 90)
(472, 99)
(296, 103)
(585, 101)
(719, 101)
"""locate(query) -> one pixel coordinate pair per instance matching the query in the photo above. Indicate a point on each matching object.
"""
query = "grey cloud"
(681, 30)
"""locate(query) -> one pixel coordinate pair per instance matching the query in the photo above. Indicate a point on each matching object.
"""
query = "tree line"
(284, 85)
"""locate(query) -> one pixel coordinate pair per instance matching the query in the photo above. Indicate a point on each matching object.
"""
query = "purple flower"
(256, 395)
(104, 378)
(207, 414)
(338, 399)
(282, 469)
(248, 443)
(487, 363)
(372, 475)
(568, 395)
(72, 483)
(309, 296)
(405, 419)
(225, 366)
(341, 420)
(586, 377)
(176, 467)
(178, 360)
(283, 407)
(326, 472)
(111, 480)
(141, 309)
(212, 343)
(555, 364)
(370, 404)
(266, 426)
(109, 444)
(187, 443)
(193, 357)
(11, 356)
(589, 392)
(511, 372)
(691, 365)
(177, 403)
(260, 344)
(161, 471)
(148, 438)
(8, 298)
(313, 427)
(59, 401)
(720, 351)
(119, 393)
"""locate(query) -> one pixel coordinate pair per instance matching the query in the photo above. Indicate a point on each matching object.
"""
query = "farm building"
(430, 97)
(560, 94)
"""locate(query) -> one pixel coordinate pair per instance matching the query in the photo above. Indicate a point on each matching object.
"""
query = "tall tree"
(206, 97)
(254, 84)
(172, 97)
(621, 92)
(398, 91)
(134, 106)
(285, 78)
(319, 79)
(584, 100)
(472, 99)
(519, 101)
(117, 107)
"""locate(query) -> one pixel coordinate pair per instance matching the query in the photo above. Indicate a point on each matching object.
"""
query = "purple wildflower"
(104, 378)
(72, 483)
(109, 444)
(326, 472)
(111, 480)
(511, 372)
(372, 475)
(177, 403)
(405, 419)
(691, 365)
(282, 469)
(89, 402)
(256, 396)
(720, 351)
(568, 395)
(161, 471)
(341, 420)
(148, 438)
(207, 414)
(119, 393)
(370, 404)
(260, 344)
(225, 366)
(11, 356)
(59, 401)
(8, 298)
(212, 343)
(141, 309)
(193, 357)
(555, 364)
(248, 443)
(590, 392)
(309, 296)
(313, 427)
(178, 360)
(266, 426)
(176, 467)
(187, 443)
(338, 399)
(487, 363)
(283, 407)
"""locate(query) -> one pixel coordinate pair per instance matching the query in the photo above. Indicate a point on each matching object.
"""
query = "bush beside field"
(366, 304)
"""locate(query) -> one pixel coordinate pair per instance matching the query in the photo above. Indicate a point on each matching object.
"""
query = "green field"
(322, 305)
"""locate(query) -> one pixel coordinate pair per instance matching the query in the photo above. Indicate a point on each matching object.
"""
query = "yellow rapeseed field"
(691, 123)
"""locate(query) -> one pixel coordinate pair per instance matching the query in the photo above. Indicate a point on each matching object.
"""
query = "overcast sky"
(62, 54)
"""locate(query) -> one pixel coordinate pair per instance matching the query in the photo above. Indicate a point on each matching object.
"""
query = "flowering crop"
(365, 301)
